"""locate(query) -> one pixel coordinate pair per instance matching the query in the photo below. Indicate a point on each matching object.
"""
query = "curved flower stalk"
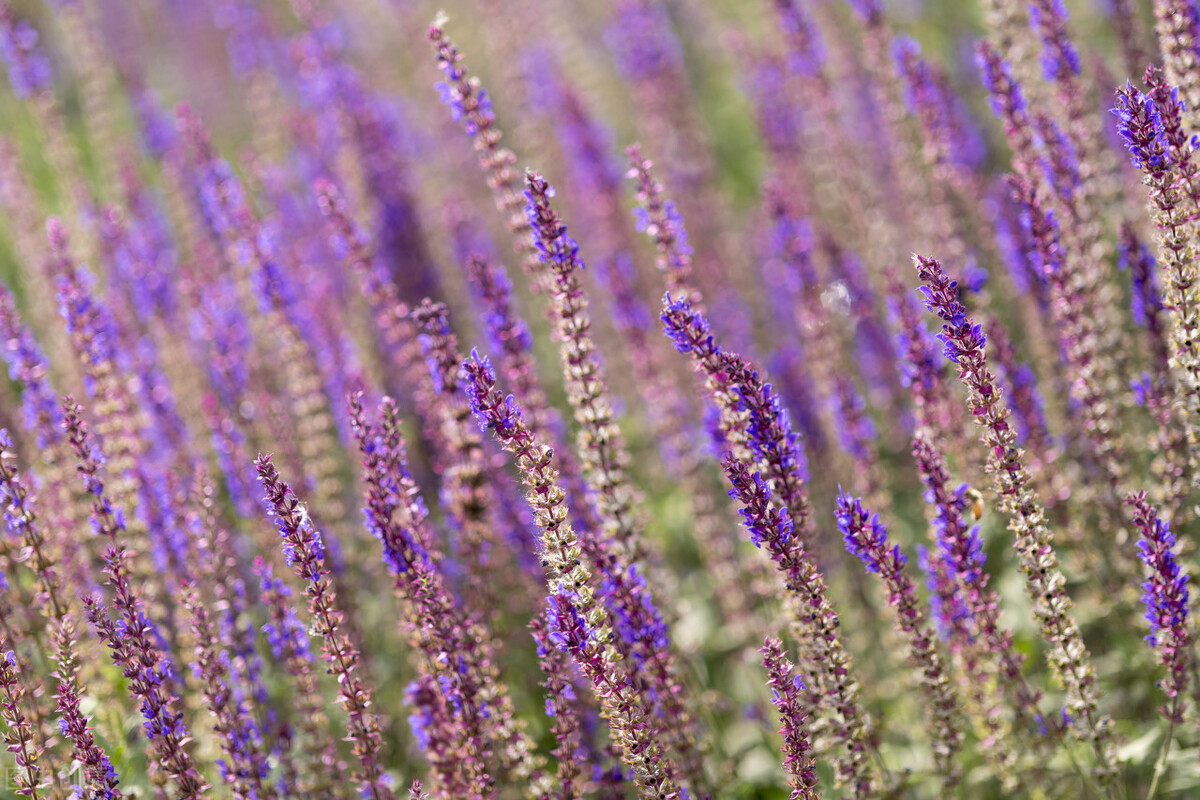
(485, 722)
(470, 104)
(1067, 654)
(659, 218)
(990, 664)
(600, 446)
(754, 421)
(962, 548)
(1077, 342)
(305, 553)
(467, 478)
(1152, 129)
(581, 623)
(1155, 390)
(922, 371)
(785, 686)
(1048, 161)
(512, 339)
(826, 661)
(602, 453)
(131, 638)
(866, 538)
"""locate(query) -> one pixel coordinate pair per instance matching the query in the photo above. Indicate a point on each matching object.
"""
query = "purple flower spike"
(28, 69)
(304, 551)
(1165, 595)
(866, 537)
(1068, 655)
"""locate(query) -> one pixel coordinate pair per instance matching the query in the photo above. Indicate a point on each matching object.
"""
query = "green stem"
(1160, 768)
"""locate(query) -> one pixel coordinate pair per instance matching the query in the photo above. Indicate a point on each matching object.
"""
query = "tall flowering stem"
(470, 104)
(785, 686)
(479, 703)
(581, 623)
(101, 780)
(562, 705)
(19, 738)
(1067, 655)
(601, 447)
(817, 627)
(754, 420)
(1077, 341)
(662, 222)
(961, 545)
(991, 664)
(466, 477)
(1178, 30)
(1156, 388)
(304, 551)
(512, 338)
(1165, 595)
(866, 538)
(131, 638)
(246, 770)
(289, 642)
(1152, 129)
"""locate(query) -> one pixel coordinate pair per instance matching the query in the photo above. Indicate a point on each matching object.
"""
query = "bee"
(975, 497)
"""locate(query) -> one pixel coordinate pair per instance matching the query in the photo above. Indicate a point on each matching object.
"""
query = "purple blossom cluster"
(377, 489)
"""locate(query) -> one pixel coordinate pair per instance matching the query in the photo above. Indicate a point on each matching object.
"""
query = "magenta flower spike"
(785, 688)
(19, 736)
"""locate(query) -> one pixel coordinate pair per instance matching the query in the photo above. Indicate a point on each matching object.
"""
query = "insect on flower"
(975, 498)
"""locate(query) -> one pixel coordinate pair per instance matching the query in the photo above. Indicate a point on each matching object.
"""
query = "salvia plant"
(670, 399)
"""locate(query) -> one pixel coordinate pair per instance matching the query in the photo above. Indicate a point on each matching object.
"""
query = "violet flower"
(1165, 595)
(289, 642)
